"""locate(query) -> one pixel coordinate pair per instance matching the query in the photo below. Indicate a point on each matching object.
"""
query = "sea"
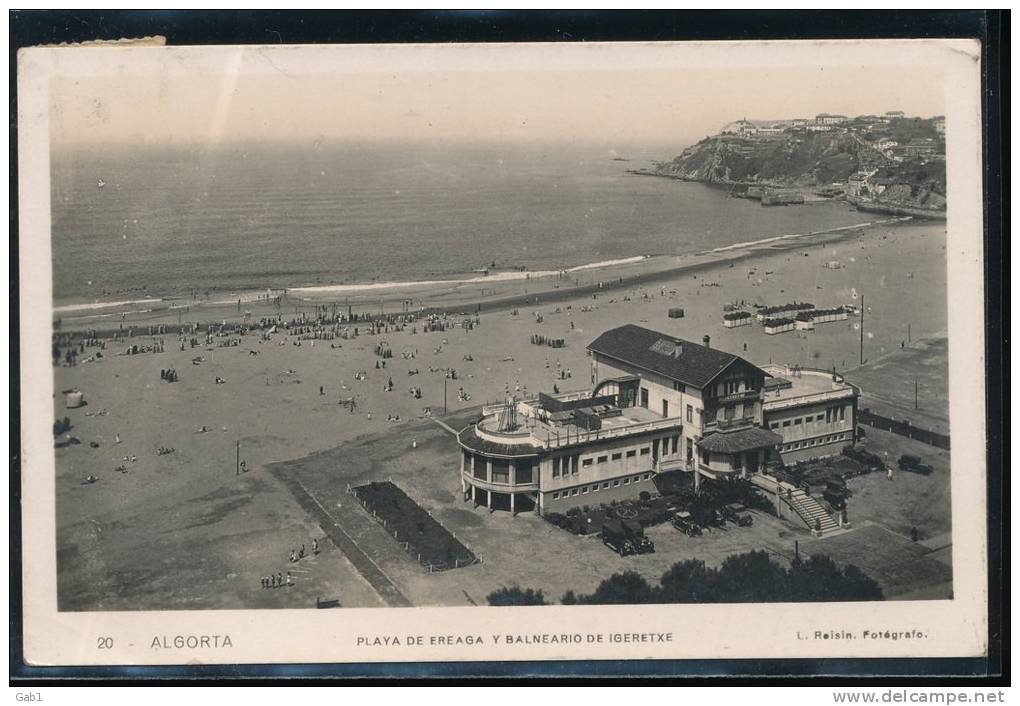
(144, 223)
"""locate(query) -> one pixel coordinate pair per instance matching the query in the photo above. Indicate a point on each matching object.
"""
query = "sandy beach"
(184, 530)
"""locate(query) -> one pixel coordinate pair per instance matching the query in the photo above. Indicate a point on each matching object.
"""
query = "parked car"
(737, 514)
(617, 538)
(636, 535)
(914, 464)
(684, 521)
(865, 458)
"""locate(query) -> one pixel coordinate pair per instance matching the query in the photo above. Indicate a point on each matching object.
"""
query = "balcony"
(499, 487)
(713, 424)
(736, 397)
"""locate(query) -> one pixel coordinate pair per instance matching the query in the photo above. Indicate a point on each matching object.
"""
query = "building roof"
(470, 439)
(741, 440)
(674, 358)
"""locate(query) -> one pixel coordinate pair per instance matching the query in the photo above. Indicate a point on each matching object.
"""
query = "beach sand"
(183, 530)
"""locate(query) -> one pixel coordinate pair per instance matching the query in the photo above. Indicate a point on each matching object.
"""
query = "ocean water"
(142, 222)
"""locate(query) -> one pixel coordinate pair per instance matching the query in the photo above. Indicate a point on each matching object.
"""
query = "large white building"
(657, 404)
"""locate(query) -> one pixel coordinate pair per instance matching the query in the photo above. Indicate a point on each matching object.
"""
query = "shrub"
(555, 518)
(645, 496)
(515, 595)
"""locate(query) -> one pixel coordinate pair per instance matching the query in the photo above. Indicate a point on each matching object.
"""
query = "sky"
(623, 108)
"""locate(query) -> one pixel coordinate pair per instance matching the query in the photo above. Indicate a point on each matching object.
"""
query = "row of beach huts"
(795, 316)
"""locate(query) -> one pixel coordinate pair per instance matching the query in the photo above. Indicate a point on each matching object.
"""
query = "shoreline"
(432, 297)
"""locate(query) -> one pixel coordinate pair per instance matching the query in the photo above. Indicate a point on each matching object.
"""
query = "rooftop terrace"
(790, 386)
(552, 421)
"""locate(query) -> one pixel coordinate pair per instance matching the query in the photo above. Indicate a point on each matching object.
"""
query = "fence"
(904, 428)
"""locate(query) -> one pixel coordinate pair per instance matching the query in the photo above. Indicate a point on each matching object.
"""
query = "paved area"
(365, 566)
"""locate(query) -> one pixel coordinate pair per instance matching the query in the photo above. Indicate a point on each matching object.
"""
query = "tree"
(515, 595)
(751, 577)
(689, 581)
(626, 588)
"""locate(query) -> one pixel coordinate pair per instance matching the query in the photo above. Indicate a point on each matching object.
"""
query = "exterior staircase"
(813, 513)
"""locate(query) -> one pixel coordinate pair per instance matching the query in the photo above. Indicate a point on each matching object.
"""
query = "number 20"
(104, 643)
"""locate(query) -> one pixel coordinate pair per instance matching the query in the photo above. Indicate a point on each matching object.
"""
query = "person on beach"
(315, 546)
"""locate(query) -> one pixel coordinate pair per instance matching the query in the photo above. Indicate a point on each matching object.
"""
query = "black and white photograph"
(586, 328)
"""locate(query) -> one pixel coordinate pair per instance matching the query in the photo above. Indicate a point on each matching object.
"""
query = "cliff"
(816, 161)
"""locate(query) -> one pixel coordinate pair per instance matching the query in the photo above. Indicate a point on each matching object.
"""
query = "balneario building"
(658, 404)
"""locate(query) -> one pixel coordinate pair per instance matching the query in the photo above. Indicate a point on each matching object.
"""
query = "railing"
(672, 464)
(811, 397)
(718, 424)
(737, 397)
(498, 487)
(552, 440)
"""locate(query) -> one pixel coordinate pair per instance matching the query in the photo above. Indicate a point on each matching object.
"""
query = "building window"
(522, 471)
(842, 414)
(786, 422)
(665, 408)
(645, 451)
(573, 465)
(575, 492)
(617, 456)
(797, 421)
(586, 462)
(605, 486)
(648, 476)
(626, 481)
(616, 484)
(644, 397)
(500, 471)
(584, 490)
(603, 459)
(556, 466)
(480, 468)
(631, 454)
(679, 387)
(676, 443)
(690, 413)
(595, 488)
(556, 496)
(729, 412)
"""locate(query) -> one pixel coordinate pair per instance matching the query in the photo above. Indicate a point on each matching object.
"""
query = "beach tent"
(75, 399)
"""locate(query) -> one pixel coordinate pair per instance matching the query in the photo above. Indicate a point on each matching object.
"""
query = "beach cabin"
(774, 326)
(737, 318)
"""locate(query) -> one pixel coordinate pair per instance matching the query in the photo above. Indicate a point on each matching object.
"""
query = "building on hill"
(939, 123)
(920, 147)
(830, 119)
(743, 127)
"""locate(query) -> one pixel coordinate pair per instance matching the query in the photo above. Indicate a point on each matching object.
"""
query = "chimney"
(707, 340)
(678, 350)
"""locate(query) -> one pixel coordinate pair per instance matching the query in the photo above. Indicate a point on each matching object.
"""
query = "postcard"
(501, 352)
